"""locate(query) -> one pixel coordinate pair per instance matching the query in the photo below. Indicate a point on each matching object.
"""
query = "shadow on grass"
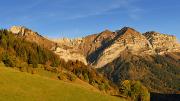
(164, 97)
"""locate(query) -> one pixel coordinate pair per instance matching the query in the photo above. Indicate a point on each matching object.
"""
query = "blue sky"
(77, 18)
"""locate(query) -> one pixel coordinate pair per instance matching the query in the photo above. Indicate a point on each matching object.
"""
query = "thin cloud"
(100, 9)
(135, 13)
(65, 10)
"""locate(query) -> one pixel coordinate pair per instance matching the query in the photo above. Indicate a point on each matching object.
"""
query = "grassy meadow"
(21, 86)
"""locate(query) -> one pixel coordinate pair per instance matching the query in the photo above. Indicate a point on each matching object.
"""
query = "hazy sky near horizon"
(77, 18)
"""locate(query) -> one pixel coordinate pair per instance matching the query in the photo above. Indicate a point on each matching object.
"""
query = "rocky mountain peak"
(32, 36)
(162, 42)
(105, 36)
(151, 34)
(22, 31)
(127, 31)
(127, 39)
(106, 31)
(127, 28)
(16, 29)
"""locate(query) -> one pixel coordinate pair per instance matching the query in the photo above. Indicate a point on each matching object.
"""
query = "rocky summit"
(127, 39)
(162, 42)
(32, 36)
(102, 48)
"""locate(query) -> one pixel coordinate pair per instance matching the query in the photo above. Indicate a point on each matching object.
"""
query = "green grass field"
(21, 86)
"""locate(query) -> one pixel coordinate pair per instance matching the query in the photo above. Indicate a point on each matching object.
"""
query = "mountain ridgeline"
(152, 58)
(109, 60)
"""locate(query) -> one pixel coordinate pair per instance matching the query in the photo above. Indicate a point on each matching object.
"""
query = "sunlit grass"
(21, 86)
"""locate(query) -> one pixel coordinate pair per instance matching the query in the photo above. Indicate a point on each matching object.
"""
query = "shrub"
(86, 77)
(72, 77)
(61, 76)
(103, 86)
(135, 90)
(8, 60)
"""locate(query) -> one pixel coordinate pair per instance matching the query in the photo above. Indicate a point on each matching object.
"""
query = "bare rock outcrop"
(68, 41)
(22, 31)
(63, 48)
(90, 46)
(162, 43)
(93, 45)
(69, 53)
(32, 36)
(67, 49)
(104, 47)
(127, 39)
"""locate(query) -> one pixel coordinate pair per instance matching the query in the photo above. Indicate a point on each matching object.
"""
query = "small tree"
(8, 60)
(86, 77)
(135, 90)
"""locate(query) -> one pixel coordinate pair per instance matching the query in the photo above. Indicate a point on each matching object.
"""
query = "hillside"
(107, 59)
(20, 86)
(151, 57)
(28, 56)
(158, 73)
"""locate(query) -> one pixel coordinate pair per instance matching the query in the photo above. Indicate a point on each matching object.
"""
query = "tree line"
(15, 50)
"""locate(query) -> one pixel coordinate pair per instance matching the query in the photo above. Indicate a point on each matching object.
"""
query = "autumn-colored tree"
(135, 90)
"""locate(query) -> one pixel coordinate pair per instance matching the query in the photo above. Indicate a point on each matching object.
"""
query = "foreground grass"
(20, 86)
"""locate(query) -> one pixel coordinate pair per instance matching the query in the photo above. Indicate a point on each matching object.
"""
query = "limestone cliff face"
(162, 43)
(102, 48)
(67, 49)
(22, 31)
(93, 45)
(90, 46)
(68, 41)
(18, 30)
(70, 54)
(32, 36)
(66, 52)
(127, 39)
(132, 40)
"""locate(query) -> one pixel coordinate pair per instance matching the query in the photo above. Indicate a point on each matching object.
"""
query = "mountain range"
(126, 54)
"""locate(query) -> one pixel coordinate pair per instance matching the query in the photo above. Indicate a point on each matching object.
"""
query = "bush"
(8, 60)
(135, 90)
(103, 86)
(86, 77)
(61, 76)
(72, 77)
